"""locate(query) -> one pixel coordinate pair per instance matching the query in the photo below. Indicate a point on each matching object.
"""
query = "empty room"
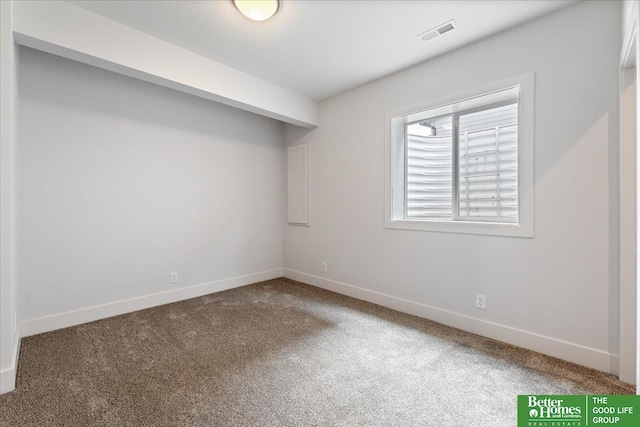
(319, 213)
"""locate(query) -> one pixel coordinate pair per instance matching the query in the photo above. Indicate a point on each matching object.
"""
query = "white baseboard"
(8, 376)
(564, 350)
(90, 314)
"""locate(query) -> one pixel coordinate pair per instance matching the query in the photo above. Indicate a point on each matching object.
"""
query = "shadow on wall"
(129, 100)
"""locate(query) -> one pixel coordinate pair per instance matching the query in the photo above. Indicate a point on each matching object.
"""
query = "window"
(464, 165)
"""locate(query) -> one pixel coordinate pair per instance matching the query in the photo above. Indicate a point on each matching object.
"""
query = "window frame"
(396, 123)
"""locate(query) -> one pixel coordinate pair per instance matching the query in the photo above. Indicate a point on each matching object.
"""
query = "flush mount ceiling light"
(258, 10)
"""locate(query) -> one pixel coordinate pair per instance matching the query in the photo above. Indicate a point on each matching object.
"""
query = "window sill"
(484, 228)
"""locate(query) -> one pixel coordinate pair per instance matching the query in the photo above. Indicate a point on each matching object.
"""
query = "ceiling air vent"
(438, 31)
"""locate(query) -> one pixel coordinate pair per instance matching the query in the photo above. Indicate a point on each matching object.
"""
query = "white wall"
(121, 182)
(556, 293)
(628, 191)
(9, 330)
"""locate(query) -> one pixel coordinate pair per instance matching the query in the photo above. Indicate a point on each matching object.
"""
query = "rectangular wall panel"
(297, 183)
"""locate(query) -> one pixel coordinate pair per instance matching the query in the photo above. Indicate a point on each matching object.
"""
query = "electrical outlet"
(481, 301)
(325, 267)
(174, 277)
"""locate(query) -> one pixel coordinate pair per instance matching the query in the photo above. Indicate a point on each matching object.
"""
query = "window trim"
(394, 156)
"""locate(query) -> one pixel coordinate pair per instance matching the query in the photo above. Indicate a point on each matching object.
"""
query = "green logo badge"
(578, 411)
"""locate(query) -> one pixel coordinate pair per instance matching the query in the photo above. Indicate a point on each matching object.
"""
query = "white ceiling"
(319, 48)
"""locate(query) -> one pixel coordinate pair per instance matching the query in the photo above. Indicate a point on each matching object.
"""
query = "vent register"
(438, 31)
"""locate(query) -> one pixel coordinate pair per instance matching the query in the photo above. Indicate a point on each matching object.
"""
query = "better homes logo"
(551, 411)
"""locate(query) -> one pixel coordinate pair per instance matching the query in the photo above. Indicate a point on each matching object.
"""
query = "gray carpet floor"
(279, 353)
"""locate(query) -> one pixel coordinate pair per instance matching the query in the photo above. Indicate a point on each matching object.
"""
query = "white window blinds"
(488, 164)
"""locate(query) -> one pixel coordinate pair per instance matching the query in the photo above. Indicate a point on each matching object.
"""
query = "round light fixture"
(258, 10)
